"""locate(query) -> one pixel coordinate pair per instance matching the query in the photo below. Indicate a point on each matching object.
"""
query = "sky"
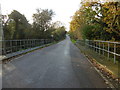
(63, 9)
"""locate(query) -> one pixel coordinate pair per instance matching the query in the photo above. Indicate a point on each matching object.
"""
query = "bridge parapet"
(15, 47)
(106, 48)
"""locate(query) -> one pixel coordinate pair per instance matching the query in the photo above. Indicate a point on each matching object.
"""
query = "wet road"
(57, 66)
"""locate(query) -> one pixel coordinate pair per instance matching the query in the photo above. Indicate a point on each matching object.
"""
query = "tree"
(41, 23)
(16, 26)
(59, 33)
(112, 19)
(96, 18)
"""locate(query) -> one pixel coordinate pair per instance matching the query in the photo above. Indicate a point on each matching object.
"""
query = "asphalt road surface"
(58, 66)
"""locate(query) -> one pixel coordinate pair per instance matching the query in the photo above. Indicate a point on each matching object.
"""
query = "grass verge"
(101, 60)
(105, 66)
(73, 41)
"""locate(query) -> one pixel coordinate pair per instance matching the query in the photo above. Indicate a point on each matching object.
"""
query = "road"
(58, 66)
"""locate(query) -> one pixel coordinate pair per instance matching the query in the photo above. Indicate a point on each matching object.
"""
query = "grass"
(73, 41)
(109, 64)
(10, 58)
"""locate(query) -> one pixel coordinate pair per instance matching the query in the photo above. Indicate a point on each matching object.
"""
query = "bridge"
(60, 65)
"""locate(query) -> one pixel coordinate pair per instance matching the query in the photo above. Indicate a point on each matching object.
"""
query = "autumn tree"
(111, 18)
(96, 20)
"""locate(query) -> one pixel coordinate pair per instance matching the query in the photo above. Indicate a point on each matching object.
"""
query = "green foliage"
(73, 41)
(16, 26)
(59, 33)
(87, 32)
(95, 20)
(41, 23)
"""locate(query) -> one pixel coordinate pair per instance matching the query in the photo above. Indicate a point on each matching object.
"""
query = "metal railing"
(10, 46)
(106, 48)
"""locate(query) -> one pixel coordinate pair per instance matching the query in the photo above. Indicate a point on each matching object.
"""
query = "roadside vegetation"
(101, 59)
(97, 21)
(16, 26)
(73, 41)
(105, 66)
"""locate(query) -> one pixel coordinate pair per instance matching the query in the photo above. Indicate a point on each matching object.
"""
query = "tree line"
(96, 21)
(16, 26)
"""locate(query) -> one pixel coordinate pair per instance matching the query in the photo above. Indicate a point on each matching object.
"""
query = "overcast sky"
(63, 9)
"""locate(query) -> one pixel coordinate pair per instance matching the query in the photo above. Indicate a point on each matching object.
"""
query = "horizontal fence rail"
(11, 46)
(106, 48)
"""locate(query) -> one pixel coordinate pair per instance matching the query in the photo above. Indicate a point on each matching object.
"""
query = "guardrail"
(104, 47)
(11, 46)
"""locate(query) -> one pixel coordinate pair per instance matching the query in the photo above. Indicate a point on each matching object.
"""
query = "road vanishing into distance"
(61, 65)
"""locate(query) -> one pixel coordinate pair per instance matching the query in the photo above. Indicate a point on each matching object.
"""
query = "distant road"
(57, 66)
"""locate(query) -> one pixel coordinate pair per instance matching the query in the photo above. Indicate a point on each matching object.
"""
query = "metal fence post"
(114, 52)
(35, 43)
(99, 47)
(4, 47)
(103, 49)
(11, 45)
(27, 43)
(85, 43)
(32, 43)
(44, 41)
(88, 44)
(20, 44)
(108, 50)
(24, 43)
(39, 42)
(96, 47)
(16, 44)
